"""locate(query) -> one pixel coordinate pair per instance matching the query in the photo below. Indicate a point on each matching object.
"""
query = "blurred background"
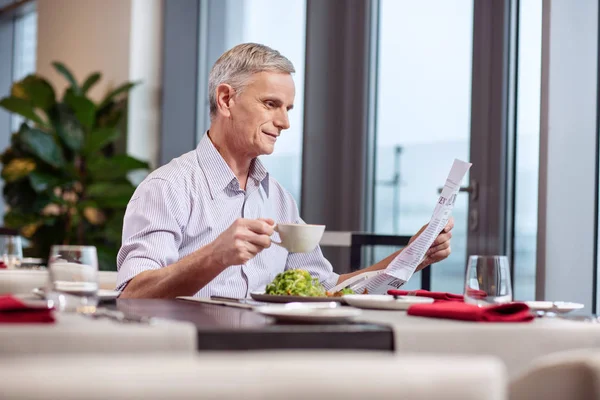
(388, 94)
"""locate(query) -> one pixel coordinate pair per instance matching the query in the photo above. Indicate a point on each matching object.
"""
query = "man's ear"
(225, 94)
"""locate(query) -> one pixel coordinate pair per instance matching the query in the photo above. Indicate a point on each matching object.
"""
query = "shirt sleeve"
(315, 263)
(153, 228)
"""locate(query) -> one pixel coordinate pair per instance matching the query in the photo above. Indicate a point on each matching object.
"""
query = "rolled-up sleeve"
(153, 228)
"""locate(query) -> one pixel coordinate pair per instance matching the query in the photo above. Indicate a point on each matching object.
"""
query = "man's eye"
(270, 104)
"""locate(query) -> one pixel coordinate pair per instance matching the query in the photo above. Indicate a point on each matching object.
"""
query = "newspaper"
(403, 266)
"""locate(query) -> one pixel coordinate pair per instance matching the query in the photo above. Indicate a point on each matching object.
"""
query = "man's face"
(260, 112)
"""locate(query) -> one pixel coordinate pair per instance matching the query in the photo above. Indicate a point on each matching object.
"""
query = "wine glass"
(11, 250)
(73, 278)
(487, 280)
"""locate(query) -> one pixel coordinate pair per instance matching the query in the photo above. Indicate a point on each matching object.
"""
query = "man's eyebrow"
(278, 102)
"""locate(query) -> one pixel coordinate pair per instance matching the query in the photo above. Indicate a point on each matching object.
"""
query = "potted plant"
(63, 182)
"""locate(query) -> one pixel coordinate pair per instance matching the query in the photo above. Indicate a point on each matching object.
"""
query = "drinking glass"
(73, 278)
(487, 280)
(11, 250)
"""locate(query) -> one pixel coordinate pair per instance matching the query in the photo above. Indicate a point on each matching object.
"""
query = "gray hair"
(236, 66)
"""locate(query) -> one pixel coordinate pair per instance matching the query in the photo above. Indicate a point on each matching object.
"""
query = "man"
(202, 224)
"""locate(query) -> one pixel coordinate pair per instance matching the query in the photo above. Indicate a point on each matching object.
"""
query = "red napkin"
(13, 310)
(426, 293)
(3, 265)
(510, 312)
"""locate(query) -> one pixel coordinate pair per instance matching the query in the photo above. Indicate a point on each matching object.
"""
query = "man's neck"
(239, 164)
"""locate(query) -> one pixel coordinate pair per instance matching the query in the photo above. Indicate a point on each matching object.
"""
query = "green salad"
(298, 282)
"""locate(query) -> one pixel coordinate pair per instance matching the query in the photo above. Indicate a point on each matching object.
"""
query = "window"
(422, 120)
(25, 41)
(282, 26)
(527, 147)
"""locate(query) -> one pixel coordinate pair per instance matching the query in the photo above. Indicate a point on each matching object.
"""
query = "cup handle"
(276, 230)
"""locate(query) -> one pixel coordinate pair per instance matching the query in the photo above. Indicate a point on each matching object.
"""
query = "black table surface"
(228, 328)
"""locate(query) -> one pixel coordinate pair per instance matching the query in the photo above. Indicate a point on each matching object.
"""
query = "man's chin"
(267, 150)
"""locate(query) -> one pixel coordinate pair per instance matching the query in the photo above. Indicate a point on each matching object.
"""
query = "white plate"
(38, 304)
(103, 294)
(106, 295)
(559, 307)
(312, 313)
(276, 298)
(384, 301)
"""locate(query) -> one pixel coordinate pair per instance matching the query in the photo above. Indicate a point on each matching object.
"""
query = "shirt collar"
(219, 175)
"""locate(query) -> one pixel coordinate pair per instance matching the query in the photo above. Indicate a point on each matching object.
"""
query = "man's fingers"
(261, 241)
(449, 225)
(268, 221)
(434, 249)
(253, 249)
(442, 237)
(260, 227)
(442, 254)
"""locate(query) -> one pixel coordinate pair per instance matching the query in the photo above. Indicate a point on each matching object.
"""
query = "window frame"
(10, 10)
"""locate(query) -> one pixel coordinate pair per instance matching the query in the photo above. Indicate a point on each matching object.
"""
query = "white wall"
(119, 38)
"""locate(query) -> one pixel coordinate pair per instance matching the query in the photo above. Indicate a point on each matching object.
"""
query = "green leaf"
(42, 181)
(67, 127)
(18, 168)
(41, 201)
(111, 114)
(64, 71)
(84, 108)
(117, 167)
(43, 146)
(90, 81)
(114, 226)
(15, 219)
(110, 195)
(99, 138)
(36, 90)
(19, 195)
(21, 107)
(107, 257)
(105, 190)
(126, 87)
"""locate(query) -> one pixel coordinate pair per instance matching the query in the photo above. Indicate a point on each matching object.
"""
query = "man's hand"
(243, 240)
(440, 248)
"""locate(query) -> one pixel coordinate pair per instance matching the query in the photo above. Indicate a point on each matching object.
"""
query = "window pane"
(528, 143)
(423, 119)
(25, 53)
(282, 26)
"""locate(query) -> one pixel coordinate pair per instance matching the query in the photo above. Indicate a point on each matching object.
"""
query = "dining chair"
(356, 242)
(571, 374)
(254, 375)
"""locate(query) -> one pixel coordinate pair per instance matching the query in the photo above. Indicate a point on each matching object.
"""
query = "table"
(516, 344)
(78, 334)
(228, 328)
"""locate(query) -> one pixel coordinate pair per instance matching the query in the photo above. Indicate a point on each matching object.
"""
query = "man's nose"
(282, 121)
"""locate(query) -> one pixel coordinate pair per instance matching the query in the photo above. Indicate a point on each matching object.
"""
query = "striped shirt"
(189, 202)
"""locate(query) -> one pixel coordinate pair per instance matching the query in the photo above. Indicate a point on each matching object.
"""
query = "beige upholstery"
(573, 375)
(18, 281)
(254, 375)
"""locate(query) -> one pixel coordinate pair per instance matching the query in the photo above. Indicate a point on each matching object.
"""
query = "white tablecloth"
(23, 281)
(517, 344)
(73, 333)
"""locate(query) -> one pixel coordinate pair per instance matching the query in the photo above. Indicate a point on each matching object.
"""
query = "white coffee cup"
(299, 238)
